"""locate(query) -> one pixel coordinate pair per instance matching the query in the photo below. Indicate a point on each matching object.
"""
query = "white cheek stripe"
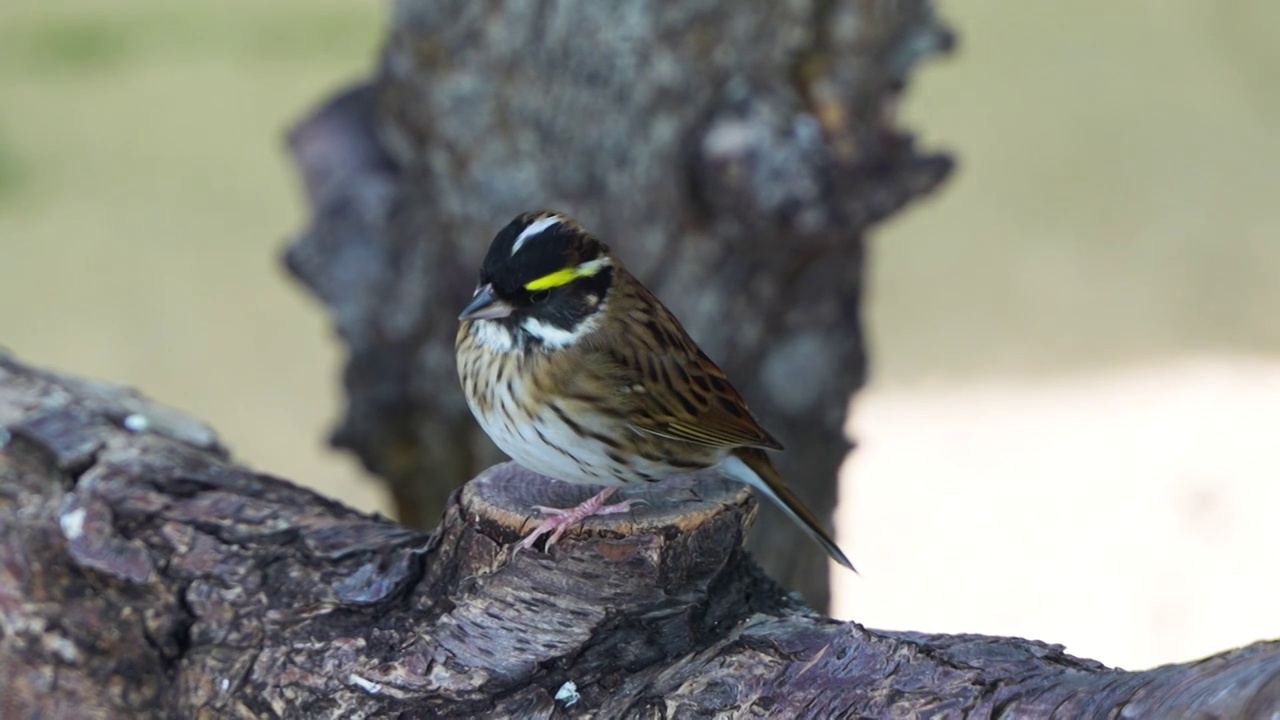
(552, 337)
(536, 228)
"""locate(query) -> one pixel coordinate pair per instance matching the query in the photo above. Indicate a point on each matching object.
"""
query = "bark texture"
(145, 575)
(733, 155)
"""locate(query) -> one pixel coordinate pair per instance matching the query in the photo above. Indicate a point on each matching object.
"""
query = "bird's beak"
(484, 306)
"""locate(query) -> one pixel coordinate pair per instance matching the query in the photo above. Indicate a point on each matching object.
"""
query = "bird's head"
(544, 275)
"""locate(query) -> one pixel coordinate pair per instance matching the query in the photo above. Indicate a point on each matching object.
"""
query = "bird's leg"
(559, 520)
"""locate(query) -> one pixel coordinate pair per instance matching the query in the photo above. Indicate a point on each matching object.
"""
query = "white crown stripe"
(534, 229)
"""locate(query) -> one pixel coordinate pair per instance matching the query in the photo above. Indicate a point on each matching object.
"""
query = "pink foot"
(559, 520)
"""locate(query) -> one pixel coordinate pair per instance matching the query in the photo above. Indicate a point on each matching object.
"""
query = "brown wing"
(671, 388)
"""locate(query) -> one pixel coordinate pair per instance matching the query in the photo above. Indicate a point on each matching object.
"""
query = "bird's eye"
(540, 296)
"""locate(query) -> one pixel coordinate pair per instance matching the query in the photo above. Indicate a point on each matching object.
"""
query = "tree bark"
(145, 575)
(732, 156)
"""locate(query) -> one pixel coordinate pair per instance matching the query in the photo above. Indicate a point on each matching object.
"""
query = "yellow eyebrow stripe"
(565, 276)
(553, 280)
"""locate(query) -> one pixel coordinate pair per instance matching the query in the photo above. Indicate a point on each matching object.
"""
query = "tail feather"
(751, 466)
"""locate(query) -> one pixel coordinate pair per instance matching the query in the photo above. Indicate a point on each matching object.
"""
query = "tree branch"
(144, 574)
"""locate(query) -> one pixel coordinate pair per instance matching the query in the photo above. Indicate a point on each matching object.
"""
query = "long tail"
(752, 466)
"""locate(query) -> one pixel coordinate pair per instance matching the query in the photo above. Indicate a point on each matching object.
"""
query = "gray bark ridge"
(143, 574)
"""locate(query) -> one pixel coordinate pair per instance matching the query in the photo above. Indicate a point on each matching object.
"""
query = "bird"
(579, 373)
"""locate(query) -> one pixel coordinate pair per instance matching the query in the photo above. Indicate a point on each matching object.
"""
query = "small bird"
(579, 373)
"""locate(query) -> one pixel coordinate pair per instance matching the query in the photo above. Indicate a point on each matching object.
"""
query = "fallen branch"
(144, 574)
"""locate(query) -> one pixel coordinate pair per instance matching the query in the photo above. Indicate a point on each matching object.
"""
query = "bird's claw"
(559, 520)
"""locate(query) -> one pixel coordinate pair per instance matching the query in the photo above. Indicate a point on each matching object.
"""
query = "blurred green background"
(145, 197)
(1117, 197)
(1116, 202)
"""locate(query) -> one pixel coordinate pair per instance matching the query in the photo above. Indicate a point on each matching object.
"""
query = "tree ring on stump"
(502, 500)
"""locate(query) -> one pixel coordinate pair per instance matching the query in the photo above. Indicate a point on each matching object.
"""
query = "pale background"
(1071, 428)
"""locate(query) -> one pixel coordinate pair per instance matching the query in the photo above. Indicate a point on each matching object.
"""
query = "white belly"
(548, 446)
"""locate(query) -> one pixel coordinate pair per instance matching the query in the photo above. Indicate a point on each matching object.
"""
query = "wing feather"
(670, 388)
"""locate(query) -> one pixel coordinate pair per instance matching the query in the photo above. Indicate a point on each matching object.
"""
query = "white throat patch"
(534, 230)
(493, 335)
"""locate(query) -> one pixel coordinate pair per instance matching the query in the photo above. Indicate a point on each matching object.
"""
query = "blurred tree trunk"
(144, 575)
(733, 155)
